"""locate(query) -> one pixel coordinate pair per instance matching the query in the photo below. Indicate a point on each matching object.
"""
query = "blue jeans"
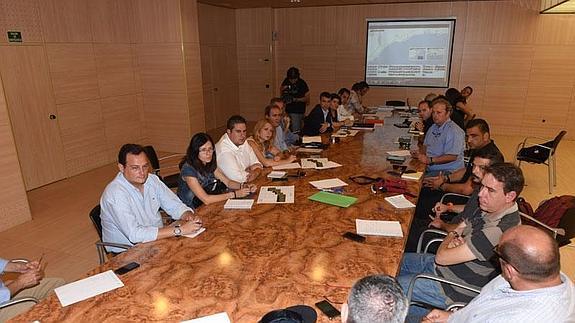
(296, 120)
(425, 291)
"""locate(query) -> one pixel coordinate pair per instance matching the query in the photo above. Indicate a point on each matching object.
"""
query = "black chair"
(567, 223)
(395, 103)
(100, 245)
(170, 180)
(542, 153)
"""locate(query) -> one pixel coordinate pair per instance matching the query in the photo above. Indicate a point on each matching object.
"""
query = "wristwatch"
(177, 230)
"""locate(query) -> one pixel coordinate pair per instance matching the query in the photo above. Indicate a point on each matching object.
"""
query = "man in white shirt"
(235, 157)
(531, 287)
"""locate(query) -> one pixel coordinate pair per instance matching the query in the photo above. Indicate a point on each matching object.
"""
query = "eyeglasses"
(207, 150)
(502, 257)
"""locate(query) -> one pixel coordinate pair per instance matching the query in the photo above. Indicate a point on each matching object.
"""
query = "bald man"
(531, 287)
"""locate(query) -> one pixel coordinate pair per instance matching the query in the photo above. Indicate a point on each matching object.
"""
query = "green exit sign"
(14, 37)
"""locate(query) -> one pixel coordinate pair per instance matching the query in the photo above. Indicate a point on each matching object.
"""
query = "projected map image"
(408, 53)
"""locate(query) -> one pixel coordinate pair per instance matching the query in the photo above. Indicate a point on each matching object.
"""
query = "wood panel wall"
(255, 61)
(219, 63)
(117, 71)
(14, 208)
(518, 62)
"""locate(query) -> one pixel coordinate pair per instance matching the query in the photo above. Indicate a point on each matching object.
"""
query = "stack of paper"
(333, 199)
(310, 139)
(413, 176)
(399, 201)
(276, 194)
(304, 150)
(328, 183)
(276, 174)
(345, 133)
(88, 287)
(378, 228)
(215, 318)
(286, 166)
(238, 204)
(399, 153)
(318, 163)
(196, 233)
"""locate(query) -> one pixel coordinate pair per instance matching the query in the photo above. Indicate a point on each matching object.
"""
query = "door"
(32, 110)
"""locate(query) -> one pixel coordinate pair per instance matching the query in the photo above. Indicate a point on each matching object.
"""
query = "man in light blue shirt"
(530, 288)
(444, 141)
(29, 283)
(131, 203)
(274, 117)
(290, 138)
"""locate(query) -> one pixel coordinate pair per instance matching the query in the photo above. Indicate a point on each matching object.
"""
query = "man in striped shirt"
(466, 253)
(531, 287)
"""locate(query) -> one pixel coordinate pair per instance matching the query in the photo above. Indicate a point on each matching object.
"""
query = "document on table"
(276, 174)
(309, 150)
(399, 201)
(400, 153)
(195, 233)
(413, 176)
(238, 204)
(286, 166)
(310, 139)
(328, 183)
(378, 228)
(88, 287)
(215, 318)
(276, 194)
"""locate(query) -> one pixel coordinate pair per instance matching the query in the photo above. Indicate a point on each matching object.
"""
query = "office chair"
(100, 245)
(18, 300)
(171, 180)
(542, 153)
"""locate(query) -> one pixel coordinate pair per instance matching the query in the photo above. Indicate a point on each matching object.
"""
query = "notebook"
(333, 199)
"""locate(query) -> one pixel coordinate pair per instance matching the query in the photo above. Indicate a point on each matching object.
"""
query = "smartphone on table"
(127, 268)
(329, 310)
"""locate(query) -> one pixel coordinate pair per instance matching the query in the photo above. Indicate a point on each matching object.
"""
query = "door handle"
(52, 117)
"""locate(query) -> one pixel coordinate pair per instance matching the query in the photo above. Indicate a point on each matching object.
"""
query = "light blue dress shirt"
(130, 217)
(498, 302)
(4, 291)
(447, 139)
(279, 139)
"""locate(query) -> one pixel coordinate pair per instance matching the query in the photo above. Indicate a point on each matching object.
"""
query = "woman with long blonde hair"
(262, 141)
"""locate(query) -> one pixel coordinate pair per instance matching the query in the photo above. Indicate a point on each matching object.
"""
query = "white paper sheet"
(378, 228)
(269, 194)
(88, 287)
(328, 183)
(412, 176)
(309, 150)
(287, 166)
(215, 318)
(310, 139)
(341, 133)
(276, 174)
(399, 201)
(238, 204)
(196, 233)
(400, 153)
(313, 162)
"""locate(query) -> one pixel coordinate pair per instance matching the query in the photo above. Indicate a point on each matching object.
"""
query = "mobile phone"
(354, 237)
(326, 308)
(127, 268)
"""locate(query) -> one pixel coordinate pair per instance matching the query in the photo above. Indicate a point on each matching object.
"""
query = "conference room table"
(250, 262)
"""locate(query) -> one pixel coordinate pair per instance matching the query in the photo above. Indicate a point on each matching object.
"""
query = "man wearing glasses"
(531, 287)
(464, 256)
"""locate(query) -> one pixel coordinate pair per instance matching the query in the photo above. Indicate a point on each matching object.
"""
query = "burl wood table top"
(250, 262)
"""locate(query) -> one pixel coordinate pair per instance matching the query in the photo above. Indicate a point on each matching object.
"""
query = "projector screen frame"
(451, 45)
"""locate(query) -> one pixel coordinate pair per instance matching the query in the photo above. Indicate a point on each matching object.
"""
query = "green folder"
(333, 199)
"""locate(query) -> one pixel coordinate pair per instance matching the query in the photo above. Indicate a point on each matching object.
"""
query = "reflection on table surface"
(250, 262)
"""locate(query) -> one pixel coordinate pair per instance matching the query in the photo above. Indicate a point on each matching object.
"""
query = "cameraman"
(295, 93)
